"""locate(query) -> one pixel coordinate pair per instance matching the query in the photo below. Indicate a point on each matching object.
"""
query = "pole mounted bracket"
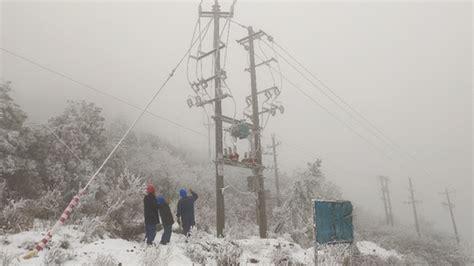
(203, 55)
(202, 84)
(272, 109)
(267, 92)
(254, 36)
(267, 62)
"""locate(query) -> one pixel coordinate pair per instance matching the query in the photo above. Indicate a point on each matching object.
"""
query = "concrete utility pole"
(451, 206)
(220, 210)
(275, 162)
(386, 200)
(413, 202)
(261, 207)
(217, 14)
(208, 125)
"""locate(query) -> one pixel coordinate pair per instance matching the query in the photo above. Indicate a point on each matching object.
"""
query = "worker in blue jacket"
(166, 219)
(185, 211)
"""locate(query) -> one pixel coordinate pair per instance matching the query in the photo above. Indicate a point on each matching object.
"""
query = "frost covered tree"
(17, 167)
(81, 128)
(295, 217)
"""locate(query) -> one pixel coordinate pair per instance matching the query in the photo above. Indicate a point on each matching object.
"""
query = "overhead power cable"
(82, 84)
(331, 98)
(330, 113)
(335, 94)
(378, 133)
(387, 141)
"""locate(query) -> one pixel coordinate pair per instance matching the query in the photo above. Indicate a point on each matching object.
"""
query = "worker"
(151, 214)
(166, 219)
(185, 212)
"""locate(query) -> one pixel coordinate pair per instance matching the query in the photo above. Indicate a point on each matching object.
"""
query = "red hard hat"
(150, 188)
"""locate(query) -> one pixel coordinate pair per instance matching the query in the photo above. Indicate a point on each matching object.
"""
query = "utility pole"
(216, 14)
(261, 207)
(451, 206)
(252, 100)
(277, 182)
(386, 200)
(208, 125)
(220, 210)
(413, 202)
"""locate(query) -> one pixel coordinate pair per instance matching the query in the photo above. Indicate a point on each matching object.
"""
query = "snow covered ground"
(370, 248)
(67, 250)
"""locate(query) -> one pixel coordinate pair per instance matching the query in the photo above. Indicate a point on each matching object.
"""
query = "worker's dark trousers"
(166, 236)
(187, 229)
(150, 233)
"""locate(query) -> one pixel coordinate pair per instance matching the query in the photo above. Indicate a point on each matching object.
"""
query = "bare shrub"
(46, 207)
(57, 255)
(281, 256)
(116, 203)
(229, 254)
(4, 240)
(152, 257)
(105, 260)
(6, 258)
(13, 216)
(93, 229)
(204, 249)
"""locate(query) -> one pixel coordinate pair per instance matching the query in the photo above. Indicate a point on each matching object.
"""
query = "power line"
(326, 94)
(330, 113)
(325, 160)
(98, 91)
(323, 107)
(337, 96)
(387, 140)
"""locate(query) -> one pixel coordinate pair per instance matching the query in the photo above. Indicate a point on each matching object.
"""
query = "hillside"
(66, 249)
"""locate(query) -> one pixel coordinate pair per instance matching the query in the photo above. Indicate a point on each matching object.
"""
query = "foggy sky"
(407, 67)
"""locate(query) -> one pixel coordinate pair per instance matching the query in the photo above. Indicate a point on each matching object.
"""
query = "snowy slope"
(370, 248)
(114, 251)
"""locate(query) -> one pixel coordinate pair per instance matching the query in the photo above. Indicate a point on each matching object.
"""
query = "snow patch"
(370, 248)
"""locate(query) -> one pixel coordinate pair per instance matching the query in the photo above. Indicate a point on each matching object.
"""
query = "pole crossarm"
(266, 62)
(211, 14)
(253, 36)
(232, 121)
(204, 55)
